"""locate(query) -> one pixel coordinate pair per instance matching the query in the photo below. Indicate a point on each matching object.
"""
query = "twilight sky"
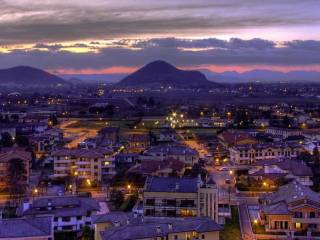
(117, 36)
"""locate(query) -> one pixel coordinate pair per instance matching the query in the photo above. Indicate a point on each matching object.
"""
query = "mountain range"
(154, 74)
(264, 76)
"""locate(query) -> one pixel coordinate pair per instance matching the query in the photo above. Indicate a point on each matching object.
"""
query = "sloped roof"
(170, 184)
(26, 227)
(292, 192)
(148, 229)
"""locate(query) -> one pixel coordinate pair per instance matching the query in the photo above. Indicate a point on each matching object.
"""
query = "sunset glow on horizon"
(108, 37)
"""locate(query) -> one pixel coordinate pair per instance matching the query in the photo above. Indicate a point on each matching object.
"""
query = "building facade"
(293, 209)
(180, 197)
(89, 164)
(251, 153)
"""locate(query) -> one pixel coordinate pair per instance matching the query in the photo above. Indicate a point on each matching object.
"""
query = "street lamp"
(255, 224)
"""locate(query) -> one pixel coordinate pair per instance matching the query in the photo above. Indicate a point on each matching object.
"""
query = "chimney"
(158, 229)
(117, 223)
(170, 226)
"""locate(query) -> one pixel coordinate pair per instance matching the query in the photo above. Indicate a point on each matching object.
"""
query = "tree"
(16, 178)
(316, 157)
(286, 121)
(306, 157)
(151, 102)
(109, 110)
(22, 141)
(6, 140)
(53, 120)
(117, 198)
(87, 233)
(241, 118)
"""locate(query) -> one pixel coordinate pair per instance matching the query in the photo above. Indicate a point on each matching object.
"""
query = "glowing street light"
(88, 182)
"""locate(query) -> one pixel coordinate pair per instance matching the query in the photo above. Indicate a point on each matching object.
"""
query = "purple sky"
(118, 36)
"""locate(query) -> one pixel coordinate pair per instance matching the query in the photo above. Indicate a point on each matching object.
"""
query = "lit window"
(298, 225)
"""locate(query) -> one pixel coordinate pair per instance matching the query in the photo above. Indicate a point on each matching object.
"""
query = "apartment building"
(93, 164)
(180, 197)
(293, 209)
(70, 213)
(251, 153)
(123, 226)
(7, 155)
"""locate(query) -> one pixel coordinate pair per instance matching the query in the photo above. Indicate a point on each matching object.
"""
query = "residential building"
(110, 133)
(31, 227)
(8, 154)
(235, 138)
(162, 168)
(287, 169)
(251, 153)
(69, 212)
(283, 132)
(294, 208)
(136, 142)
(179, 152)
(87, 163)
(180, 197)
(121, 226)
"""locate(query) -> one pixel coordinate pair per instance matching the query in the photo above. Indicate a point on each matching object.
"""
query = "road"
(77, 134)
(245, 223)
(194, 144)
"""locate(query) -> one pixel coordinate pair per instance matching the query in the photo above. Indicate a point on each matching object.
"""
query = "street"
(245, 223)
(76, 134)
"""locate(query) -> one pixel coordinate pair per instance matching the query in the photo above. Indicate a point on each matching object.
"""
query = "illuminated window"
(298, 225)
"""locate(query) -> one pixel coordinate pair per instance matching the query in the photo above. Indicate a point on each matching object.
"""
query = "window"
(312, 215)
(67, 227)
(298, 225)
(313, 226)
(298, 214)
(66, 219)
(150, 202)
(203, 236)
(175, 237)
(79, 217)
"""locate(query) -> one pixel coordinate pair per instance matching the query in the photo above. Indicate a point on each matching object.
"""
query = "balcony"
(306, 220)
